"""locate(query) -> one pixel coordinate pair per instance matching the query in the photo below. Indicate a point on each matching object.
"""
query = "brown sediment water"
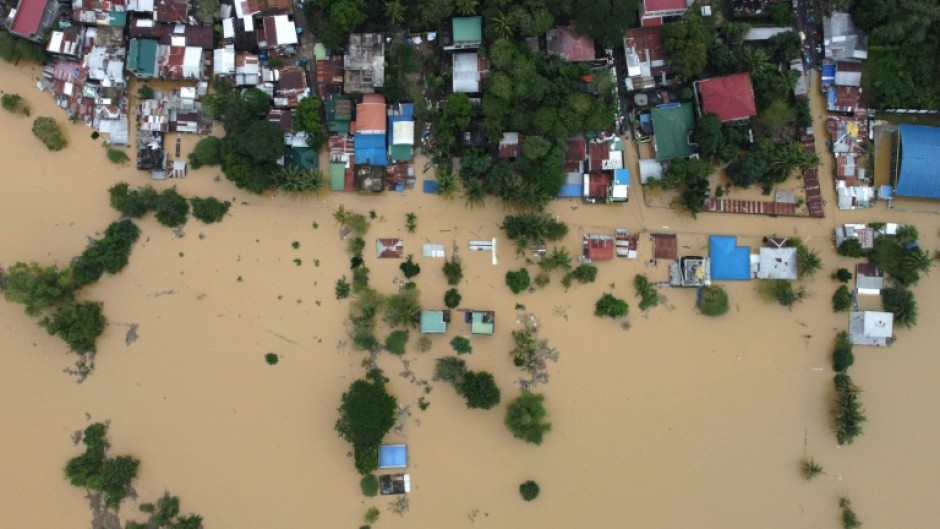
(678, 421)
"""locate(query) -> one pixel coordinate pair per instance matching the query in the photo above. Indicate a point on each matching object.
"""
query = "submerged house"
(393, 456)
(729, 96)
(598, 247)
(729, 262)
(434, 321)
(871, 328)
(389, 248)
(481, 322)
(778, 262)
(869, 279)
(690, 271)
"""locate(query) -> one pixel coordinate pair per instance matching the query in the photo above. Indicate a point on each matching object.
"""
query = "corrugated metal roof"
(920, 162)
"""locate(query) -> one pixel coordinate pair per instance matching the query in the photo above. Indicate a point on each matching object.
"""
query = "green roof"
(468, 29)
(117, 19)
(672, 125)
(303, 157)
(338, 113)
(402, 153)
(432, 322)
(319, 51)
(337, 176)
(478, 326)
(142, 59)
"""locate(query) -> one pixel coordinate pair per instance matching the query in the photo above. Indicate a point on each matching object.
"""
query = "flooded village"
(403, 216)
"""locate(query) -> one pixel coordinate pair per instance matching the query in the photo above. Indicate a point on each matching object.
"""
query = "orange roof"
(370, 114)
(731, 96)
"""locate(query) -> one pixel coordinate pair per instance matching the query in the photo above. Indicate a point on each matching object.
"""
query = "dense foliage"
(207, 152)
(210, 209)
(900, 302)
(15, 104)
(526, 417)
(77, 324)
(461, 345)
(307, 119)
(396, 341)
(452, 298)
(111, 476)
(367, 413)
(38, 287)
(646, 291)
(517, 280)
(479, 389)
(714, 301)
(453, 271)
(842, 356)
(849, 414)
(12, 49)
(109, 254)
(842, 299)
(49, 133)
(529, 490)
(611, 307)
(172, 209)
(533, 228)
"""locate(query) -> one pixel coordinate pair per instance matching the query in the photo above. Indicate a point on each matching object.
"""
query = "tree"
(458, 111)
(558, 259)
(207, 152)
(849, 414)
(206, 11)
(501, 24)
(461, 345)
(114, 479)
(605, 20)
(841, 299)
(529, 490)
(296, 180)
(649, 296)
(517, 280)
(734, 32)
(785, 46)
(533, 228)
(747, 170)
(172, 208)
(807, 260)
(367, 413)
(525, 417)
(611, 307)
(453, 270)
(450, 369)
(708, 135)
(714, 301)
(108, 254)
(308, 119)
(467, 7)
(479, 389)
(452, 298)
(849, 518)
(851, 248)
(900, 302)
(403, 309)
(77, 324)
(395, 12)
(810, 468)
(38, 287)
(133, 203)
(842, 275)
(369, 484)
(49, 133)
(262, 142)
(842, 356)
(410, 268)
(688, 42)
(15, 104)
(777, 117)
(396, 341)
(210, 209)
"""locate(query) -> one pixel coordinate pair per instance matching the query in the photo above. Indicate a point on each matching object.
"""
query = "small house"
(665, 246)
(729, 262)
(433, 250)
(277, 31)
(481, 322)
(434, 321)
(778, 262)
(401, 128)
(731, 97)
(393, 456)
(364, 63)
(690, 271)
(142, 58)
(389, 248)
(466, 33)
(391, 484)
(627, 243)
(869, 279)
(570, 45)
(652, 12)
(291, 87)
(871, 328)
(67, 43)
(841, 40)
(467, 72)
(645, 54)
(860, 232)
(371, 129)
(673, 124)
(598, 247)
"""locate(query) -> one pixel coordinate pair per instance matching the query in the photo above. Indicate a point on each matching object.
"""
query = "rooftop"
(28, 18)
(672, 126)
(777, 263)
(434, 321)
(728, 260)
(370, 114)
(467, 30)
(871, 328)
(920, 162)
(571, 46)
(730, 96)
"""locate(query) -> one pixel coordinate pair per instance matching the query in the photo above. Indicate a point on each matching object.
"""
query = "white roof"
(403, 133)
(249, 24)
(764, 33)
(286, 31)
(192, 63)
(228, 28)
(429, 249)
(848, 78)
(777, 263)
(140, 5)
(878, 324)
(223, 61)
(466, 73)
(650, 169)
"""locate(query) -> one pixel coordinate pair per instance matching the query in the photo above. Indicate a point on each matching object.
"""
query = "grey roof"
(764, 33)
(870, 328)
(777, 263)
(849, 79)
(842, 40)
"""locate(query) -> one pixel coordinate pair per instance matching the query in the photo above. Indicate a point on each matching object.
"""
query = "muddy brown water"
(679, 421)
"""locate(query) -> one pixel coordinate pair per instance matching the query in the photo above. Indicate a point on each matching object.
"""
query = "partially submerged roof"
(672, 125)
(434, 321)
(393, 456)
(920, 162)
(728, 260)
(467, 29)
(777, 263)
(482, 322)
(869, 279)
(568, 44)
(389, 248)
(598, 247)
(730, 96)
(871, 328)
(665, 246)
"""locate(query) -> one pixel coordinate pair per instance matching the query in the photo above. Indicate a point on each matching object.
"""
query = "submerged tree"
(367, 413)
(526, 417)
(38, 287)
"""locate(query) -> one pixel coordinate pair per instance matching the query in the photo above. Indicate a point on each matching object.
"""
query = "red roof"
(569, 45)
(648, 40)
(577, 152)
(28, 17)
(665, 246)
(370, 114)
(664, 5)
(847, 97)
(651, 22)
(731, 97)
(599, 184)
(598, 247)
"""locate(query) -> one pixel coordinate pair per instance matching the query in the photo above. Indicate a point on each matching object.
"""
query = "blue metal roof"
(728, 260)
(920, 162)
(370, 148)
(622, 177)
(393, 456)
(571, 191)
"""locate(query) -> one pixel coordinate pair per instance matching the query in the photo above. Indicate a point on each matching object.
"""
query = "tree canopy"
(479, 389)
(308, 119)
(77, 324)
(367, 413)
(38, 287)
(526, 417)
(605, 20)
(688, 41)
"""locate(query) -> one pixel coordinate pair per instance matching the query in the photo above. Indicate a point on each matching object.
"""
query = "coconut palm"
(807, 261)
(403, 309)
(296, 180)
(467, 7)
(900, 301)
(395, 12)
(502, 25)
(447, 184)
(915, 261)
(755, 60)
(474, 193)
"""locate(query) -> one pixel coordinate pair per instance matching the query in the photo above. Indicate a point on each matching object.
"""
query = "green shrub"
(372, 515)
(842, 275)
(452, 298)
(369, 485)
(424, 344)
(207, 152)
(518, 280)
(210, 209)
(410, 268)
(900, 302)
(810, 468)
(479, 389)
(841, 299)
(851, 248)
(77, 324)
(356, 245)
(714, 301)
(272, 359)
(411, 222)
(783, 292)
(849, 414)
(117, 156)
(842, 356)
(342, 288)
(145, 92)
(12, 49)
(172, 208)
(529, 490)
(396, 341)
(453, 270)
(111, 476)
(15, 104)
(133, 203)
(360, 279)
(611, 307)
(646, 291)
(542, 279)
(582, 274)
(49, 133)
(450, 369)
(849, 518)
(461, 345)
(38, 287)
(525, 417)
(559, 259)
(108, 254)
(366, 457)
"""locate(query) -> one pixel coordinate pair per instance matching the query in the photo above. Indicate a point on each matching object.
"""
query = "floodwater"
(679, 421)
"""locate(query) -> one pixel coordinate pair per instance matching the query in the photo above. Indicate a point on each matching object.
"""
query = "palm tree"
(755, 60)
(467, 7)
(447, 184)
(502, 25)
(915, 261)
(395, 12)
(474, 192)
(402, 309)
(807, 261)
(900, 301)
(296, 180)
